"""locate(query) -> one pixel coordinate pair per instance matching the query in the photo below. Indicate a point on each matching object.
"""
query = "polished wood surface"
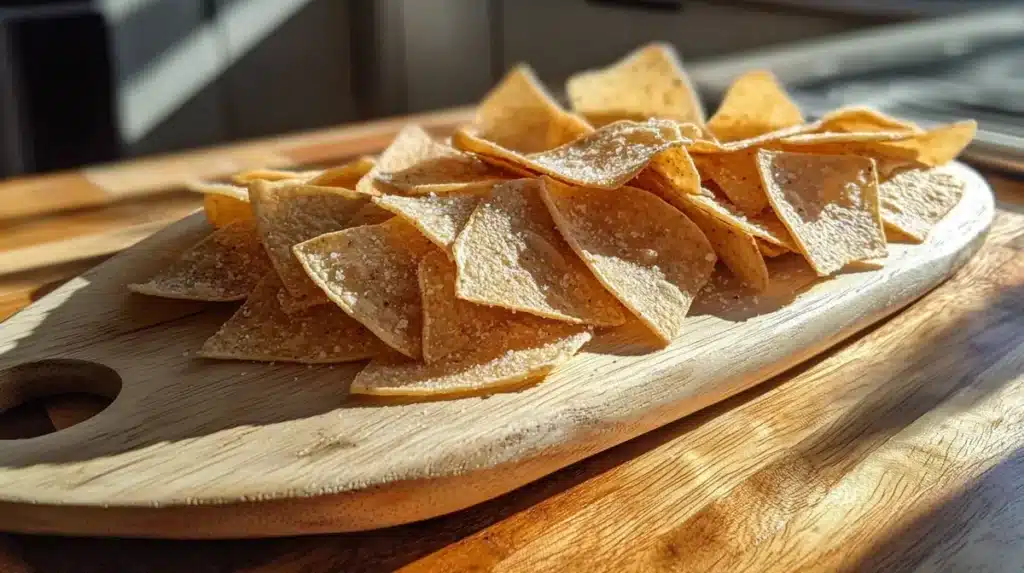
(899, 450)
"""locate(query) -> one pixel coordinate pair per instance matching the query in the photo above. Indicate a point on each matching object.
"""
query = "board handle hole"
(39, 398)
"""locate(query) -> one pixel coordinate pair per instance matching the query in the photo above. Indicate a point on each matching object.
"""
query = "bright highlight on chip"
(483, 262)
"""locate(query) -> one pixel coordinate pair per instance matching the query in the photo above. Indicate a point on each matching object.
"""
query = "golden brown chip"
(606, 158)
(290, 213)
(261, 330)
(505, 358)
(736, 175)
(710, 145)
(671, 173)
(755, 104)
(450, 323)
(346, 175)
(225, 266)
(863, 120)
(223, 204)
(913, 201)
(648, 83)
(292, 304)
(510, 255)
(737, 249)
(371, 273)
(769, 250)
(415, 163)
(765, 225)
(931, 148)
(439, 217)
(644, 251)
(369, 214)
(246, 177)
(829, 203)
(521, 116)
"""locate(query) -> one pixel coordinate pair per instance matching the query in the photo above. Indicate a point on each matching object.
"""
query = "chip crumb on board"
(483, 262)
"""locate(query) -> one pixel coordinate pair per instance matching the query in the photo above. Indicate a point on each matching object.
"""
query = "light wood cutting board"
(198, 448)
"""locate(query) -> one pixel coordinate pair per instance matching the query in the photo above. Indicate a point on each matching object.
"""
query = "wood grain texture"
(200, 449)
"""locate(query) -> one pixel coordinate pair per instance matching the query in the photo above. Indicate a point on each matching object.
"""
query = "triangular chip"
(450, 323)
(369, 214)
(829, 203)
(864, 120)
(913, 201)
(934, 147)
(371, 273)
(520, 115)
(649, 82)
(644, 251)
(606, 158)
(223, 204)
(506, 358)
(736, 175)
(346, 175)
(765, 225)
(292, 304)
(754, 104)
(510, 255)
(261, 330)
(706, 145)
(737, 249)
(225, 266)
(439, 217)
(670, 174)
(246, 177)
(288, 214)
(415, 163)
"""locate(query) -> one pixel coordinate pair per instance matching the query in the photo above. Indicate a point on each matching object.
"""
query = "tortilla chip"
(737, 249)
(520, 115)
(647, 83)
(439, 217)
(415, 163)
(931, 148)
(510, 255)
(450, 323)
(246, 177)
(371, 273)
(292, 304)
(706, 145)
(754, 104)
(505, 358)
(223, 203)
(290, 213)
(261, 330)
(346, 175)
(769, 250)
(736, 175)
(913, 201)
(606, 158)
(225, 266)
(369, 214)
(864, 120)
(765, 225)
(829, 203)
(643, 250)
(671, 173)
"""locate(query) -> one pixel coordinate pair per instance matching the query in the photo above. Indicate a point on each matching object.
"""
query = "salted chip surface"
(606, 158)
(225, 266)
(862, 119)
(371, 273)
(649, 82)
(292, 304)
(507, 357)
(246, 177)
(511, 255)
(415, 163)
(261, 330)
(934, 147)
(753, 105)
(439, 217)
(369, 214)
(288, 214)
(913, 201)
(736, 175)
(346, 175)
(521, 116)
(739, 251)
(652, 257)
(765, 226)
(829, 203)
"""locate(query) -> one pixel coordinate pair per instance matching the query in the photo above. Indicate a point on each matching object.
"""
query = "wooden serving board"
(196, 448)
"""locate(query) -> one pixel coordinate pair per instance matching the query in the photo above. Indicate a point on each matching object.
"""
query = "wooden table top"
(902, 449)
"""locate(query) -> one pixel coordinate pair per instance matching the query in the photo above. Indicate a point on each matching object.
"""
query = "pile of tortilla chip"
(487, 260)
